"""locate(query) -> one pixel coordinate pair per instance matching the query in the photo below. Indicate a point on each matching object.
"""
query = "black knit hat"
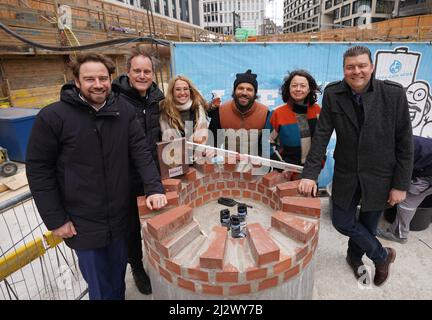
(248, 77)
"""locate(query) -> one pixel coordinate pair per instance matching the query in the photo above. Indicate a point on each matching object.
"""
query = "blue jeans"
(104, 270)
(361, 231)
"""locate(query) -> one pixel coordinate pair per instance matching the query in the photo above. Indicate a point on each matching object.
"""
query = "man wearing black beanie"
(243, 112)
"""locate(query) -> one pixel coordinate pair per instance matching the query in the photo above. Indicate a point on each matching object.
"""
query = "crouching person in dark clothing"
(77, 167)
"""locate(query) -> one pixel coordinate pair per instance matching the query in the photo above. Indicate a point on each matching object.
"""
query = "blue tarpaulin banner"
(213, 66)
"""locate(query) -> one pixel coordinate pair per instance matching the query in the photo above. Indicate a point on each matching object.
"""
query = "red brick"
(307, 259)
(256, 273)
(211, 187)
(302, 205)
(231, 184)
(242, 185)
(252, 186)
(240, 289)
(226, 193)
(272, 178)
(226, 175)
(165, 223)
(216, 176)
(301, 252)
(213, 257)
(165, 274)
(215, 194)
(206, 198)
(176, 241)
(198, 202)
(247, 176)
(220, 185)
(197, 183)
(215, 290)
(152, 262)
(256, 196)
(293, 226)
(247, 194)
(172, 266)
(172, 198)
(230, 166)
(235, 193)
(291, 272)
(186, 284)
(268, 283)
(204, 168)
(201, 190)
(154, 255)
(197, 274)
(288, 189)
(171, 185)
(236, 176)
(142, 206)
(190, 175)
(282, 266)
(263, 248)
(269, 193)
(265, 200)
(261, 188)
(229, 274)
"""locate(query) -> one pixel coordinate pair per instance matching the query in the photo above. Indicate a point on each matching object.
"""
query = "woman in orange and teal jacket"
(293, 123)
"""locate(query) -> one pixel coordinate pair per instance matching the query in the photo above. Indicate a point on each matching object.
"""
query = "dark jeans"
(104, 270)
(361, 231)
(135, 254)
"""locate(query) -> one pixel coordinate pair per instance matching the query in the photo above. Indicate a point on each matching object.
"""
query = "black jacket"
(377, 155)
(78, 162)
(146, 108)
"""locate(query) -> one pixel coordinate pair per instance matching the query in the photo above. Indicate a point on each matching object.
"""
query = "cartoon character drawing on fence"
(401, 66)
(420, 103)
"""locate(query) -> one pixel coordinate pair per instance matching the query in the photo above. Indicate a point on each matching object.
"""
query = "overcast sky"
(274, 10)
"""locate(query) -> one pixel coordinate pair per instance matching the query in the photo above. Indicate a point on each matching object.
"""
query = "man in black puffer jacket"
(138, 88)
(77, 166)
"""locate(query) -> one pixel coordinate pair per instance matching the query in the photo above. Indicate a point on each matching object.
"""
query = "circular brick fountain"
(190, 255)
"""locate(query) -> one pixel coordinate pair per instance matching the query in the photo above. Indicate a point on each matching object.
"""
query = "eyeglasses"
(182, 89)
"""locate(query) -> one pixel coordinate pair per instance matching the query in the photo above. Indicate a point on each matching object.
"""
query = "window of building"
(336, 14)
(345, 10)
(165, 5)
(361, 4)
(316, 10)
(337, 2)
(328, 4)
(384, 6)
(346, 23)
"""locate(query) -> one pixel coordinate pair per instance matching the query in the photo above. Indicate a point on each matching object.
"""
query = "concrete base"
(297, 288)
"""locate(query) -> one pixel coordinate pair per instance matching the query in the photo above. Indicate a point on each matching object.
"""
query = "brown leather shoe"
(355, 267)
(382, 270)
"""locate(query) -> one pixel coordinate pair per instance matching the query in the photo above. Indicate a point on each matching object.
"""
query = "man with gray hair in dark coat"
(373, 157)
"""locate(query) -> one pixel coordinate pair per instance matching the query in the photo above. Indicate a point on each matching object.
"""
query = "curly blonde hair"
(168, 105)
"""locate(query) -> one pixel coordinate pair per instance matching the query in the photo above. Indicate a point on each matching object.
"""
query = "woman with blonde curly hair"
(183, 112)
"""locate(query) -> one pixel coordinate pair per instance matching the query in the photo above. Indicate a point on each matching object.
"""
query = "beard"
(244, 108)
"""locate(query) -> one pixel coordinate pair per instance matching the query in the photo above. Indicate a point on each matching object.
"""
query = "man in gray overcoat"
(373, 157)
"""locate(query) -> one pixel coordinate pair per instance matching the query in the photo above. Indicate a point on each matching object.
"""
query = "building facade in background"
(268, 27)
(189, 11)
(316, 15)
(219, 14)
(405, 8)
(343, 13)
(301, 16)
